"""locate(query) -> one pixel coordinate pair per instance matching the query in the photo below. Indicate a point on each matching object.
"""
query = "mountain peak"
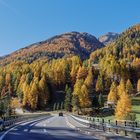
(108, 37)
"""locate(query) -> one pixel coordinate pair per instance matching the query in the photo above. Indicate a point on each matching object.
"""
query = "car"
(60, 114)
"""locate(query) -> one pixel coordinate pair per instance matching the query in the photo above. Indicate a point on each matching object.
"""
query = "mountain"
(108, 37)
(125, 47)
(67, 44)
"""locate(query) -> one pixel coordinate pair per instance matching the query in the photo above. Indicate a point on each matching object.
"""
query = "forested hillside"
(126, 47)
(64, 45)
(112, 71)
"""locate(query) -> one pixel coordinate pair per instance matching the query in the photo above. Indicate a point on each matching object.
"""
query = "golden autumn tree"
(77, 87)
(99, 83)
(1, 82)
(112, 96)
(15, 103)
(33, 95)
(82, 73)
(43, 96)
(84, 97)
(138, 86)
(123, 107)
(121, 87)
(75, 64)
(76, 93)
(89, 81)
(26, 92)
(129, 87)
(8, 79)
(20, 87)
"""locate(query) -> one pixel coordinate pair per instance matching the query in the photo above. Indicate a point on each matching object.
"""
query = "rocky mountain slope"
(108, 37)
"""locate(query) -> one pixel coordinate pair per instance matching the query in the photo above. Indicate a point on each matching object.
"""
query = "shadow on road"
(45, 133)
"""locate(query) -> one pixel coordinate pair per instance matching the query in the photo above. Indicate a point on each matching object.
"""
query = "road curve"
(48, 128)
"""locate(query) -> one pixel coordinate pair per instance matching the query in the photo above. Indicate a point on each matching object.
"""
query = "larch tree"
(77, 87)
(8, 79)
(76, 63)
(68, 97)
(75, 103)
(112, 96)
(129, 87)
(43, 96)
(138, 86)
(29, 77)
(121, 87)
(99, 84)
(33, 95)
(89, 81)
(1, 83)
(15, 103)
(20, 87)
(82, 73)
(123, 107)
(25, 90)
(84, 98)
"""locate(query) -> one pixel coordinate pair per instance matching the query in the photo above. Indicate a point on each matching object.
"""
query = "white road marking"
(1, 138)
(69, 124)
(5, 133)
(25, 130)
(81, 123)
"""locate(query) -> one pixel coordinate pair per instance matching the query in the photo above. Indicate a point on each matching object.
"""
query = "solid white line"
(5, 133)
(79, 122)
(69, 124)
(1, 138)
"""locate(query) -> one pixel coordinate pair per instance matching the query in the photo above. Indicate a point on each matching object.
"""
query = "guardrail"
(123, 128)
(11, 120)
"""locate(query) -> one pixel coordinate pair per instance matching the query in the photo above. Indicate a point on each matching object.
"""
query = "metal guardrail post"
(93, 123)
(103, 125)
(136, 124)
(125, 124)
(117, 128)
(109, 124)
(98, 124)
(90, 118)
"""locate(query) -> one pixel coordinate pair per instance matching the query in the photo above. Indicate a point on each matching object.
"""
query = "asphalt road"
(48, 128)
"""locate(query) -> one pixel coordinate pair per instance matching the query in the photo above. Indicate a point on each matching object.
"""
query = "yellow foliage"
(121, 87)
(112, 96)
(84, 97)
(138, 86)
(123, 107)
(15, 103)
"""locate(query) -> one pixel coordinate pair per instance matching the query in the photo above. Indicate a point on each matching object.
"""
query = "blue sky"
(23, 22)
